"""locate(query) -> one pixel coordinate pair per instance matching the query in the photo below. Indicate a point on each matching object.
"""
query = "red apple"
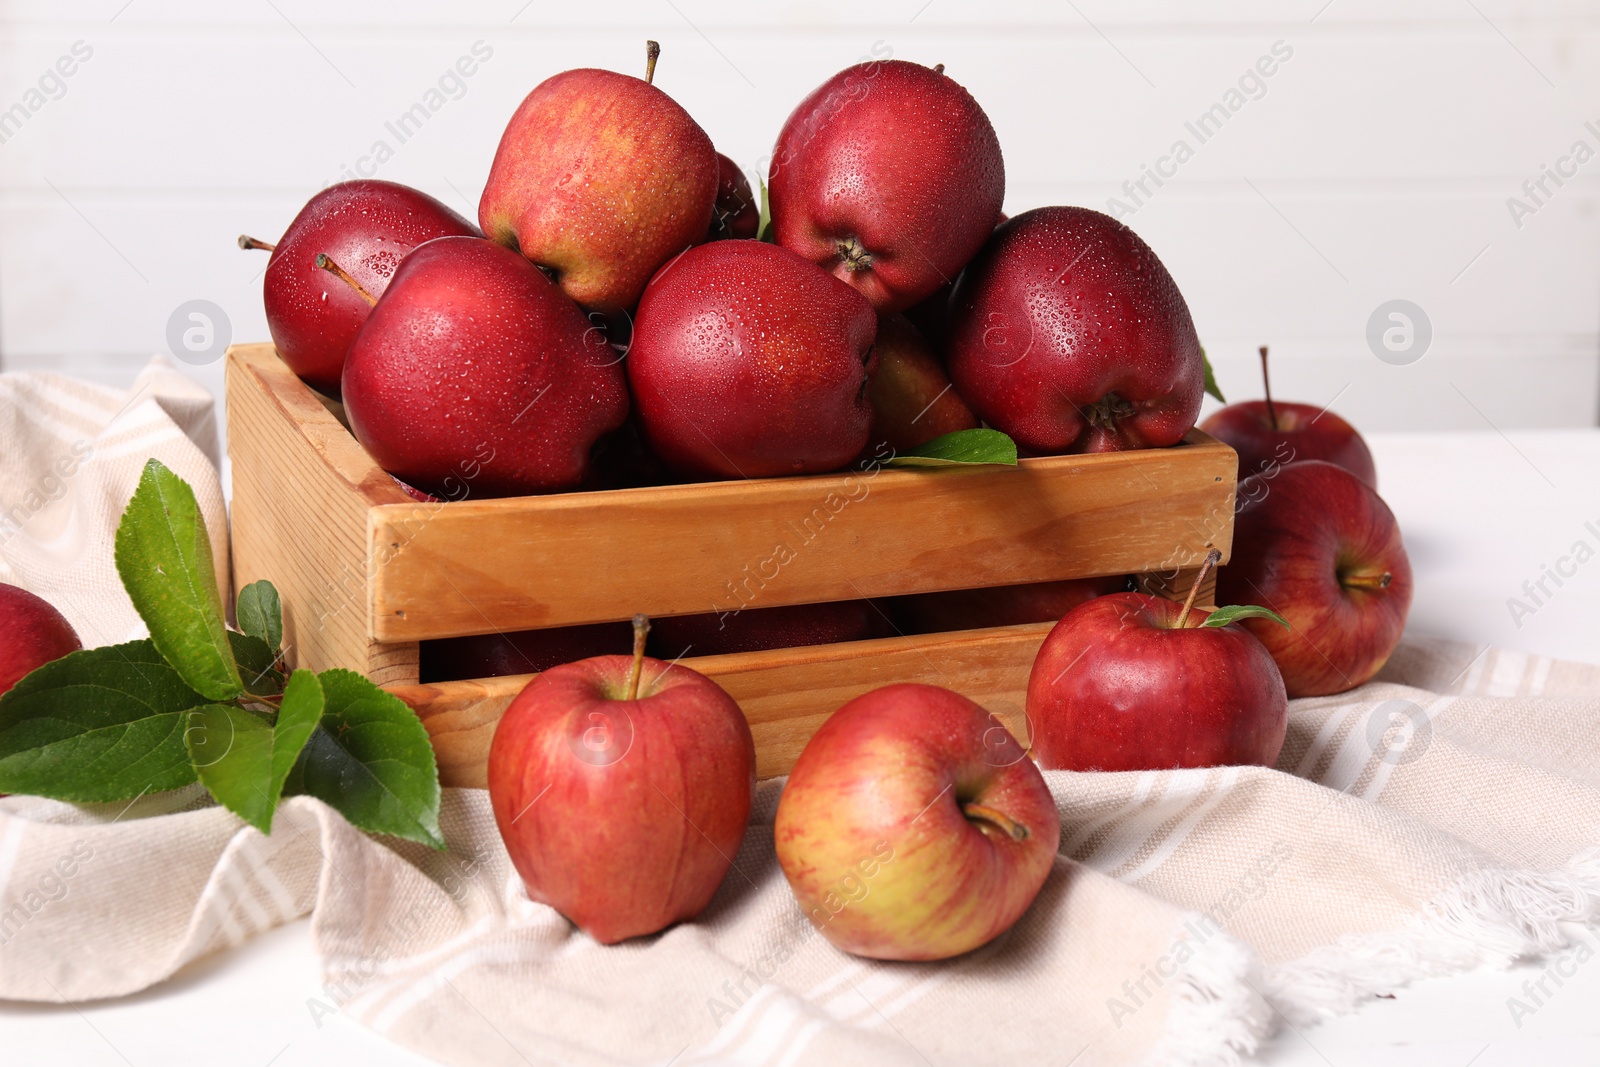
(520, 652)
(1136, 682)
(475, 376)
(600, 178)
(622, 788)
(1001, 605)
(1268, 434)
(736, 214)
(889, 176)
(32, 633)
(912, 398)
(757, 629)
(914, 827)
(1316, 544)
(367, 227)
(747, 361)
(1067, 333)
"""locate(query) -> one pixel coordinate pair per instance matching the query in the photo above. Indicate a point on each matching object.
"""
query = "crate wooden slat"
(366, 572)
(483, 566)
(786, 694)
(302, 488)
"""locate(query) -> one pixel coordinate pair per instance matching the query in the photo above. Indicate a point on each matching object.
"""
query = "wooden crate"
(366, 572)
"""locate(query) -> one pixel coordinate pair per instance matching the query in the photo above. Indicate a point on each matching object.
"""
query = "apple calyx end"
(1105, 413)
(250, 244)
(325, 262)
(854, 255)
(641, 630)
(996, 818)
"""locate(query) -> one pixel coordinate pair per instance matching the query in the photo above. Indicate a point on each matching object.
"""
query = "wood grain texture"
(786, 694)
(521, 563)
(302, 490)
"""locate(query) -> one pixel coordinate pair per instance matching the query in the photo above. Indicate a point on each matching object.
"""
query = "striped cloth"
(1442, 817)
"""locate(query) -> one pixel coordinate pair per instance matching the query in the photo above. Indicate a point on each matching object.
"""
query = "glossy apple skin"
(736, 214)
(747, 361)
(1115, 688)
(1299, 537)
(1067, 333)
(476, 377)
(622, 815)
(519, 652)
(872, 835)
(367, 227)
(1000, 605)
(758, 629)
(912, 398)
(1303, 431)
(32, 633)
(889, 175)
(601, 178)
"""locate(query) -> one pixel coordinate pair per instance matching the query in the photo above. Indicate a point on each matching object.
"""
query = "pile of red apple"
(619, 321)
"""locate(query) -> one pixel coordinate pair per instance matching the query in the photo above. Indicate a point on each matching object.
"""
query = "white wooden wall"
(1374, 164)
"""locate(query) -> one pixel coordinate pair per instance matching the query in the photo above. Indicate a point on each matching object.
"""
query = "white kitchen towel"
(1440, 818)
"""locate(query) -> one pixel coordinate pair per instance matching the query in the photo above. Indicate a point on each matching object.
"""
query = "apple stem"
(339, 272)
(249, 243)
(1369, 581)
(938, 68)
(1212, 558)
(999, 819)
(652, 52)
(1266, 384)
(641, 630)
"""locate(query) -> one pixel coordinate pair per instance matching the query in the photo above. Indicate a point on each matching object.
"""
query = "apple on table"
(1134, 682)
(914, 827)
(621, 787)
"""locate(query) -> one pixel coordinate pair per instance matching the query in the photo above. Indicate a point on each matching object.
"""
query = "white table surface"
(1481, 512)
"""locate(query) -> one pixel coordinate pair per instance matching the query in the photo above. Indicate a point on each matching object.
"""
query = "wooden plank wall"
(1376, 162)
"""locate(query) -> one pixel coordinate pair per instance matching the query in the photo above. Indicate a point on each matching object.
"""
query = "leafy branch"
(198, 701)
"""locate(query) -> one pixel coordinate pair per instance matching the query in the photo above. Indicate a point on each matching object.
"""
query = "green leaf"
(1235, 612)
(260, 613)
(764, 223)
(1211, 378)
(963, 446)
(258, 665)
(99, 725)
(243, 758)
(370, 760)
(164, 557)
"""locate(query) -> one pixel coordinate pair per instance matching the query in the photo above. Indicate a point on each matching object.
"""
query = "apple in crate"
(758, 629)
(1067, 333)
(912, 398)
(475, 376)
(1000, 605)
(519, 652)
(367, 227)
(32, 633)
(600, 178)
(1318, 545)
(914, 826)
(1268, 434)
(621, 787)
(736, 214)
(1136, 682)
(889, 176)
(749, 362)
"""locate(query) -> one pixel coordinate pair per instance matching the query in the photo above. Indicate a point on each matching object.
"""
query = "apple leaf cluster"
(196, 701)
